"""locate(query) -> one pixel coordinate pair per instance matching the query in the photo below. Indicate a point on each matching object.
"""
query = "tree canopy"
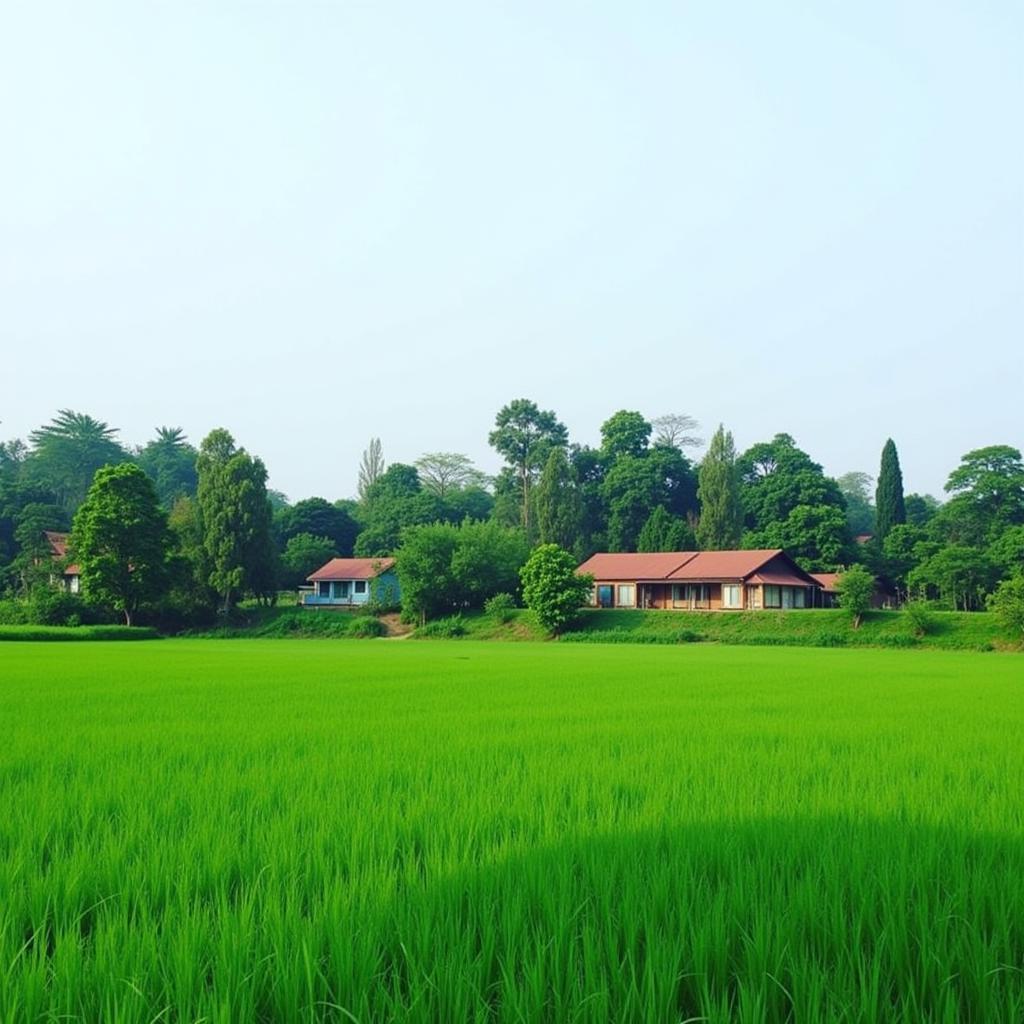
(120, 540)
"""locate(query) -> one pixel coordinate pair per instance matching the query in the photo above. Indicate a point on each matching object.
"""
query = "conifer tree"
(889, 507)
(718, 488)
(557, 503)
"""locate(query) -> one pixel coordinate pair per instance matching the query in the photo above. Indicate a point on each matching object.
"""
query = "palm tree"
(66, 453)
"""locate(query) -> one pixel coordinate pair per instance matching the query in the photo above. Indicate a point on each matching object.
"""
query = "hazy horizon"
(312, 225)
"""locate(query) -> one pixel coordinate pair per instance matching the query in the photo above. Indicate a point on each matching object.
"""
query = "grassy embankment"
(486, 832)
(977, 631)
(48, 633)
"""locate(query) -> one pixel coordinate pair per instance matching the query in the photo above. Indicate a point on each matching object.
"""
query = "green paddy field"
(246, 830)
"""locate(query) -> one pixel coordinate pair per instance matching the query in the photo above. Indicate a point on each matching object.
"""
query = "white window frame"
(734, 589)
(625, 587)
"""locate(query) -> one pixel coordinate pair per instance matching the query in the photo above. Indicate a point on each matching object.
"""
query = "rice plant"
(278, 830)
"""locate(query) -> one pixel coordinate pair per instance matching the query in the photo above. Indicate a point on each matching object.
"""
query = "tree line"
(217, 534)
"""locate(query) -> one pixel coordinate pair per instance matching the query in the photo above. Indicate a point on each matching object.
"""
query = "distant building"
(348, 582)
(70, 577)
(702, 581)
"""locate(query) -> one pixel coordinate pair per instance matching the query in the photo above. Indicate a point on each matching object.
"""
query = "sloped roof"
(771, 566)
(626, 566)
(58, 543)
(59, 549)
(352, 569)
(827, 579)
(725, 565)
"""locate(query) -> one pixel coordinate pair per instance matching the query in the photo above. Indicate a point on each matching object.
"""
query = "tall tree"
(789, 502)
(441, 472)
(624, 433)
(721, 515)
(170, 462)
(66, 453)
(120, 540)
(557, 500)
(318, 517)
(524, 435)
(860, 512)
(676, 431)
(665, 532)
(236, 519)
(371, 467)
(889, 508)
(988, 496)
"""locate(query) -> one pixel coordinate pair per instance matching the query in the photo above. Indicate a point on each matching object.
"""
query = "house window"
(604, 595)
(753, 597)
(360, 586)
(799, 597)
(679, 596)
(732, 595)
(772, 596)
(341, 589)
(323, 589)
(701, 593)
(625, 598)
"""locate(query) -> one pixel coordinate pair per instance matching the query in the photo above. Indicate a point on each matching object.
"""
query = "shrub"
(552, 589)
(29, 633)
(443, 629)
(365, 627)
(855, 587)
(1008, 604)
(51, 606)
(501, 607)
(919, 617)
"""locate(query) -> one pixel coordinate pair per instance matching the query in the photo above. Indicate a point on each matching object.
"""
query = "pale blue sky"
(314, 223)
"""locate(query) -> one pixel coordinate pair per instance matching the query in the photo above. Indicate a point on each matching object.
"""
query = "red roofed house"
(829, 593)
(70, 579)
(348, 582)
(701, 581)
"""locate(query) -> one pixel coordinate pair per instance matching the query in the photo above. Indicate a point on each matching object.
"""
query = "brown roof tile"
(627, 566)
(725, 565)
(352, 569)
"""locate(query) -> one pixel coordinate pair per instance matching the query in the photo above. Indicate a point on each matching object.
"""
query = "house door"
(604, 595)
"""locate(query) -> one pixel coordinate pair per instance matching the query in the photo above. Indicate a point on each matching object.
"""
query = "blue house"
(349, 582)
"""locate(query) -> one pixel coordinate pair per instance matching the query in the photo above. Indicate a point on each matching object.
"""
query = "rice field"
(245, 830)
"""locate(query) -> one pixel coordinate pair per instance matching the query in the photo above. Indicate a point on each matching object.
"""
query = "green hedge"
(298, 622)
(78, 633)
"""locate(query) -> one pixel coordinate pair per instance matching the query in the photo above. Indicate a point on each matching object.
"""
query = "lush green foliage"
(524, 436)
(303, 555)
(890, 510)
(552, 590)
(665, 532)
(53, 633)
(66, 453)
(790, 503)
(635, 491)
(121, 541)
(442, 567)
(501, 607)
(320, 518)
(170, 462)
(721, 514)
(424, 832)
(855, 589)
(558, 503)
(448, 628)
(963, 631)
(860, 512)
(1008, 604)
(236, 519)
(284, 623)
